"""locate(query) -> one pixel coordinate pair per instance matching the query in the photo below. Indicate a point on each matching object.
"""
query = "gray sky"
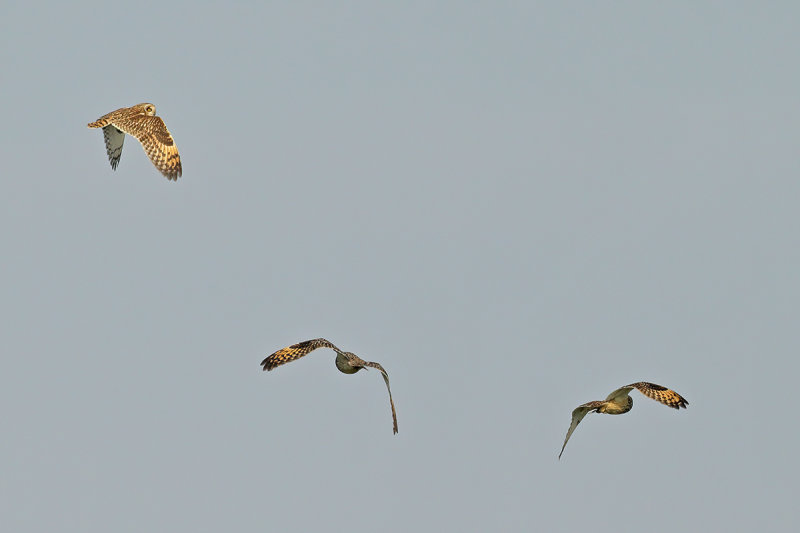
(514, 207)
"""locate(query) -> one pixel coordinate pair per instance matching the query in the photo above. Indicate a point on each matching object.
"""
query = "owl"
(619, 402)
(141, 122)
(346, 362)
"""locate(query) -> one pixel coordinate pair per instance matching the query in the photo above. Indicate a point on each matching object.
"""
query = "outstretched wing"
(386, 379)
(114, 139)
(295, 351)
(661, 394)
(619, 395)
(577, 415)
(109, 118)
(157, 142)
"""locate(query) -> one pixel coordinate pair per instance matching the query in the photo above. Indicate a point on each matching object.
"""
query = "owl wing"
(157, 142)
(386, 379)
(661, 394)
(108, 118)
(577, 415)
(619, 395)
(114, 139)
(295, 351)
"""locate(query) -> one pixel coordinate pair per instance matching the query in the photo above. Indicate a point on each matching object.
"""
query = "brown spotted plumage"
(295, 351)
(346, 362)
(140, 122)
(619, 402)
(668, 397)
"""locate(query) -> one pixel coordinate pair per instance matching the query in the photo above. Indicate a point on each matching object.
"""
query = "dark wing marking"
(114, 139)
(661, 394)
(295, 351)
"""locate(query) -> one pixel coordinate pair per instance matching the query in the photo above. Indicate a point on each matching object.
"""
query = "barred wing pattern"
(668, 397)
(295, 351)
(114, 139)
(157, 142)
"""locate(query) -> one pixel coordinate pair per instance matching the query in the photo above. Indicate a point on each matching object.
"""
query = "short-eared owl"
(346, 362)
(618, 402)
(141, 122)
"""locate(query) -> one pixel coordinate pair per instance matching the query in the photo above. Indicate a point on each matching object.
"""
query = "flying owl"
(141, 122)
(619, 402)
(346, 362)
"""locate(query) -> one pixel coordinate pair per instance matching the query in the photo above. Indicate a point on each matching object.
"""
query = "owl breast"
(612, 408)
(343, 364)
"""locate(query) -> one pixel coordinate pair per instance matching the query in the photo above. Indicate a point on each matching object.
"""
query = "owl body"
(619, 402)
(346, 362)
(349, 363)
(615, 408)
(140, 122)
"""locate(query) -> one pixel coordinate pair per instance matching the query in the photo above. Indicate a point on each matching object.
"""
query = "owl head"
(146, 109)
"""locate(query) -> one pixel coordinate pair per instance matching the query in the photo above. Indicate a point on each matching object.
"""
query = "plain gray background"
(514, 207)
